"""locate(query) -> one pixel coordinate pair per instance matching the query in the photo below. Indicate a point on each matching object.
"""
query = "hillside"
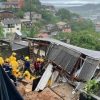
(83, 10)
(86, 10)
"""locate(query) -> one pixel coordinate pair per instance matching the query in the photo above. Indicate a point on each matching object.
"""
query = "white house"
(11, 26)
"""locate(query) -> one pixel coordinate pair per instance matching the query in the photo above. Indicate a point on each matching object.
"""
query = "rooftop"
(11, 21)
(90, 53)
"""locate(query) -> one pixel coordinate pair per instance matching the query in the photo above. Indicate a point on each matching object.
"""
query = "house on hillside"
(35, 16)
(49, 8)
(97, 27)
(20, 2)
(51, 27)
(6, 14)
(43, 33)
(63, 27)
(11, 25)
(26, 23)
(10, 5)
(13, 4)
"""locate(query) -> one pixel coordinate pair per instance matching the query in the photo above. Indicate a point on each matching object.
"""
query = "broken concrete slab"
(45, 78)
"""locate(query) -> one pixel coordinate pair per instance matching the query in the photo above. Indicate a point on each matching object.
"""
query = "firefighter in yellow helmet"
(7, 60)
(12, 57)
(17, 73)
(27, 64)
(38, 59)
(27, 58)
(1, 61)
(14, 64)
(8, 70)
(27, 75)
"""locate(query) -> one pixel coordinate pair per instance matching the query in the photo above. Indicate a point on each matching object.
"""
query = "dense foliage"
(85, 39)
(92, 87)
(1, 31)
(33, 5)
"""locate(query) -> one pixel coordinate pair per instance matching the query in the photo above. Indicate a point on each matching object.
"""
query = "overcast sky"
(70, 1)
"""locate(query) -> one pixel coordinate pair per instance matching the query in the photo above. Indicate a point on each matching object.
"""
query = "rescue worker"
(16, 73)
(27, 75)
(13, 57)
(14, 64)
(37, 66)
(8, 70)
(27, 64)
(1, 61)
(42, 63)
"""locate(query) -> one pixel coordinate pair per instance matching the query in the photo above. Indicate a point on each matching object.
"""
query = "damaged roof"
(90, 53)
(19, 45)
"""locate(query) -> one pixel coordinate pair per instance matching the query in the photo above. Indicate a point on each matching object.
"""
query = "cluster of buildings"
(54, 29)
(12, 4)
(11, 24)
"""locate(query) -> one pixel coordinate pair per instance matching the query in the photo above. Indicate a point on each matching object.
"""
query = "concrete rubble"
(61, 91)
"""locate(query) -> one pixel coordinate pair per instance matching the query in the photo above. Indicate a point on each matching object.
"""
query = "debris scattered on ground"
(47, 94)
(60, 92)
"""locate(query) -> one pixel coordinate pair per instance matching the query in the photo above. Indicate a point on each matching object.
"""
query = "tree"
(30, 32)
(84, 39)
(32, 5)
(64, 14)
(20, 13)
(82, 24)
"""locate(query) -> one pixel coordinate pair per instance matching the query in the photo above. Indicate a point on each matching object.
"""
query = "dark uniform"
(27, 66)
(8, 70)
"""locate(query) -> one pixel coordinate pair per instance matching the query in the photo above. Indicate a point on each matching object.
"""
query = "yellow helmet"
(38, 59)
(14, 54)
(41, 60)
(7, 60)
(1, 61)
(27, 58)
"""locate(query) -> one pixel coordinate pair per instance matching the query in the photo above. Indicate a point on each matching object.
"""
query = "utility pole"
(30, 15)
(30, 10)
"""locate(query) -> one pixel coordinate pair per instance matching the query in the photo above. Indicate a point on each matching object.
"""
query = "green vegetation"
(1, 31)
(84, 39)
(92, 87)
(82, 24)
(20, 13)
(83, 32)
(32, 31)
(48, 17)
(33, 5)
(65, 15)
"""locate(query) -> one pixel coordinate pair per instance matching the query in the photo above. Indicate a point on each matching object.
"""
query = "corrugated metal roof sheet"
(90, 53)
(19, 45)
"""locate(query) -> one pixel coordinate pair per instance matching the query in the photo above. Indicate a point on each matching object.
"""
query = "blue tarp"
(7, 89)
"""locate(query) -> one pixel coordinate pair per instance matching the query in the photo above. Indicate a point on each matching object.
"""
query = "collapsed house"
(78, 64)
(64, 62)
